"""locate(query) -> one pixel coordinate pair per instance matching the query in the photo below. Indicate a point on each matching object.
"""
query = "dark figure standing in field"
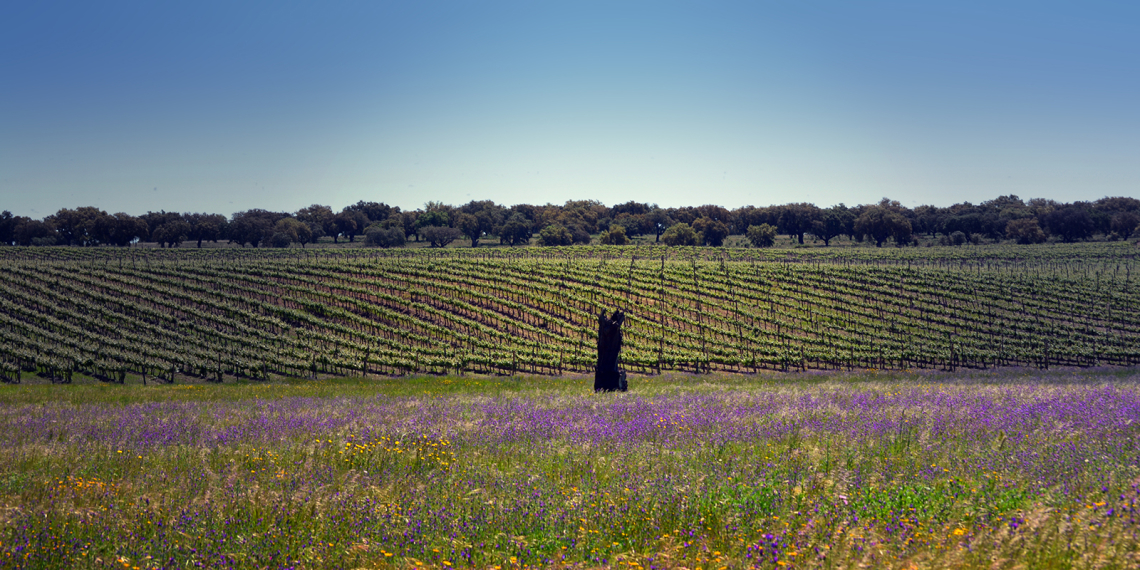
(608, 377)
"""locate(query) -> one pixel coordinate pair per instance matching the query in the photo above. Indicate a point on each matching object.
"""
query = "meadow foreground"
(1010, 469)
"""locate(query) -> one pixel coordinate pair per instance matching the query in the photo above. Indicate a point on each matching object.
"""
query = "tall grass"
(1014, 469)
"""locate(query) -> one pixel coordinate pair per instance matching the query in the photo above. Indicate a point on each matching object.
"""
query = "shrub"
(712, 231)
(555, 234)
(376, 236)
(580, 235)
(615, 236)
(679, 234)
(1025, 231)
(763, 235)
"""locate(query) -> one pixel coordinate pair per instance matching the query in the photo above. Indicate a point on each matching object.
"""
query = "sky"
(223, 106)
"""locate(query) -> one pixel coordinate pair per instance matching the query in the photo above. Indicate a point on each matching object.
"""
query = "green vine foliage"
(217, 314)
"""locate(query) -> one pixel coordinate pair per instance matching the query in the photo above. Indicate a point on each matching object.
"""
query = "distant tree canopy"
(679, 234)
(468, 224)
(86, 226)
(374, 211)
(348, 223)
(712, 232)
(205, 227)
(1025, 231)
(288, 231)
(89, 226)
(763, 235)
(171, 233)
(657, 221)
(833, 222)
(26, 231)
(119, 229)
(1071, 221)
(1124, 224)
(440, 236)
(434, 218)
(318, 218)
(7, 227)
(798, 219)
(883, 221)
(253, 227)
(516, 231)
(379, 236)
(1003, 218)
(555, 235)
(615, 235)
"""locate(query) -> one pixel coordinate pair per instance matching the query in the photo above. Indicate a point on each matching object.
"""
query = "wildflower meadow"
(1010, 469)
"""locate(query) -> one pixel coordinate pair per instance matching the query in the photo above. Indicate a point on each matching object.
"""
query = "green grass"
(89, 391)
(1004, 469)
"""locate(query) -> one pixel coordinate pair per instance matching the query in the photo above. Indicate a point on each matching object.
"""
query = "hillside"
(219, 314)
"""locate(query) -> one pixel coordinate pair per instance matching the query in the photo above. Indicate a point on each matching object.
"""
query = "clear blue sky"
(225, 106)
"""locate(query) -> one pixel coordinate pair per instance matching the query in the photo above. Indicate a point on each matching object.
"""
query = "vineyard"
(165, 315)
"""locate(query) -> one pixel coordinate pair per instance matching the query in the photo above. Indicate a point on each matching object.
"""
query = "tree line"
(589, 221)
